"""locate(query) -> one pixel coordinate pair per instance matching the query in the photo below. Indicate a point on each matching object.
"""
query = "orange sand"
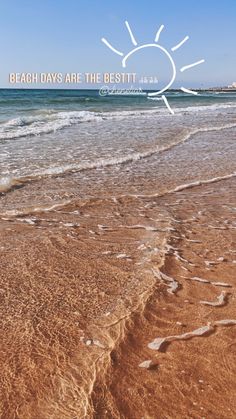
(82, 297)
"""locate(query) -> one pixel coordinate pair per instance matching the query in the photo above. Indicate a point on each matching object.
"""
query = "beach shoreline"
(118, 257)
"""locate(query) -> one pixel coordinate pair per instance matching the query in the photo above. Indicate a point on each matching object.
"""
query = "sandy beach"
(88, 286)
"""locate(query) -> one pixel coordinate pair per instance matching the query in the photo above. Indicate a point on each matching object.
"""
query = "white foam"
(199, 108)
(6, 183)
(122, 256)
(221, 300)
(45, 123)
(221, 284)
(147, 364)
(213, 107)
(207, 281)
(52, 121)
(173, 285)
(225, 322)
(157, 343)
(14, 213)
(190, 185)
(203, 182)
(196, 278)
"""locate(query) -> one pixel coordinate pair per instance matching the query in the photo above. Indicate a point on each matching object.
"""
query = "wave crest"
(48, 121)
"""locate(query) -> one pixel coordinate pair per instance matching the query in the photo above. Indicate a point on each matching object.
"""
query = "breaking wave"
(52, 121)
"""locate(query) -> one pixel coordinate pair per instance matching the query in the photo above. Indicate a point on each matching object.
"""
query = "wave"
(48, 121)
(154, 98)
(44, 123)
(48, 208)
(8, 183)
(213, 107)
(129, 158)
(202, 182)
(189, 186)
(51, 121)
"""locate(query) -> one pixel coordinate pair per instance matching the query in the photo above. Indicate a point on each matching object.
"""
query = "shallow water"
(76, 143)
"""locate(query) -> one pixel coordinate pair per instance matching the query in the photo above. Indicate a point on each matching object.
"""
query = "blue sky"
(65, 36)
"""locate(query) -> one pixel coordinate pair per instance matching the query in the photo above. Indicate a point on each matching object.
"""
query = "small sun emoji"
(164, 50)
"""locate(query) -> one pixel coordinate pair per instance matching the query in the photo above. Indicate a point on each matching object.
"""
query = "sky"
(64, 36)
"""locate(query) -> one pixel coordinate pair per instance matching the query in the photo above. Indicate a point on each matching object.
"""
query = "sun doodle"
(166, 53)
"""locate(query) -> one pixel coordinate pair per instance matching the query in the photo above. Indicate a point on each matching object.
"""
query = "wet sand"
(88, 286)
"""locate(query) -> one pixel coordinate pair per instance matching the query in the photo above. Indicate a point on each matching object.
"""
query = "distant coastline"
(197, 89)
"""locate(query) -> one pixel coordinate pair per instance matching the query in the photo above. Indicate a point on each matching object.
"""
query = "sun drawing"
(168, 55)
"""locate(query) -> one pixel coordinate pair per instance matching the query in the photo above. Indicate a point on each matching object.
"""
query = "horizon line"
(98, 88)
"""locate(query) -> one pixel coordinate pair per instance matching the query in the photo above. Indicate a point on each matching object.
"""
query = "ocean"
(91, 144)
